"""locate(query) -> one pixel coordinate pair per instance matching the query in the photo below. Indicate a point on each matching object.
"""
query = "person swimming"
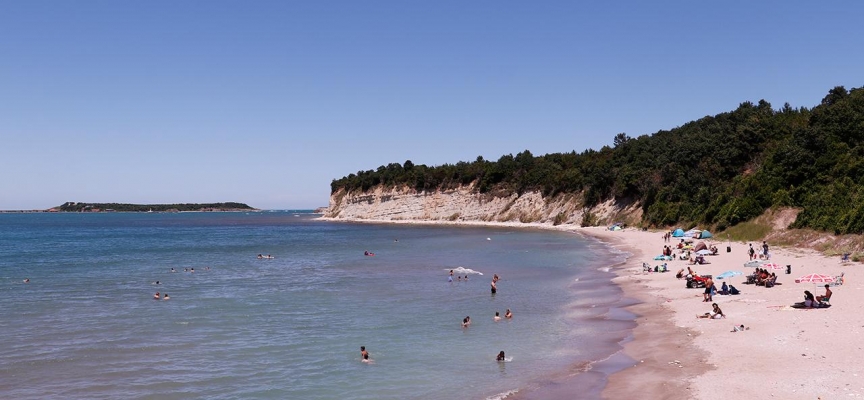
(165, 297)
(508, 314)
(173, 270)
(500, 356)
(497, 317)
(466, 321)
(156, 296)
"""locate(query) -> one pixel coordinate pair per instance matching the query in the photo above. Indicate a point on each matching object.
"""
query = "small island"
(72, 206)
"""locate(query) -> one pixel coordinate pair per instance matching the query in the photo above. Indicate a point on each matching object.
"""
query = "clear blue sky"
(267, 102)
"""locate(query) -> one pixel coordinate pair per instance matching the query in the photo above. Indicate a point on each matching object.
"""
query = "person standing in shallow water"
(494, 287)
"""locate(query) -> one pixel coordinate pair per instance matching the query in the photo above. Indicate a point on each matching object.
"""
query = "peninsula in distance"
(72, 206)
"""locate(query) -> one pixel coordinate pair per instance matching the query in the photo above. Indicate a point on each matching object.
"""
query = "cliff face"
(463, 204)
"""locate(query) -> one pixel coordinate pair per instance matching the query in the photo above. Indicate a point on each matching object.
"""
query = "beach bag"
(733, 290)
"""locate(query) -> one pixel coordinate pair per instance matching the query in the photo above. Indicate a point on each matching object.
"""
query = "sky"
(266, 102)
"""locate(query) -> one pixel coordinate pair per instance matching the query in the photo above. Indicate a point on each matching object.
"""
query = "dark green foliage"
(121, 207)
(718, 170)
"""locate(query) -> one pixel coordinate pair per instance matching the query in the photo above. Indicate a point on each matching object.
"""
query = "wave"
(504, 395)
(463, 270)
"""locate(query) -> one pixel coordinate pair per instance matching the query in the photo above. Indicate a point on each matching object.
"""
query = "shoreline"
(612, 377)
(785, 353)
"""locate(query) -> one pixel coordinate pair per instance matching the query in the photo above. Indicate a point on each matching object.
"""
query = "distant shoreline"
(49, 211)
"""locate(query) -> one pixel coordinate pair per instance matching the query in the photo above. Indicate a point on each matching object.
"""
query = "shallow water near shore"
(85, 326)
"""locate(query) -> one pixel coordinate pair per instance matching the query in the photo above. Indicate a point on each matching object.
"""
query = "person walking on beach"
(709, 290)
(752, 252)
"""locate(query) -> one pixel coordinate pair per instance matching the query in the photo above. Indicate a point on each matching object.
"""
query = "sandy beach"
(783, 352)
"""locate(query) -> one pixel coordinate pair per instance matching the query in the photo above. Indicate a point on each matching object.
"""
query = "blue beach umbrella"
(729, 274)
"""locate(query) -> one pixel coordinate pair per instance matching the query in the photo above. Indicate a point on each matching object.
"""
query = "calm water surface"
(86, 326)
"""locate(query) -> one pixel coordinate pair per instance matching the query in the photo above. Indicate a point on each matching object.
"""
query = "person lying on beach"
(716, 313)
(680, 273)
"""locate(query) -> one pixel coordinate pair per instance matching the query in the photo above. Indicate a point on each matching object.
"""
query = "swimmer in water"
(466, 321)
(260, 256)
(450, 278)
(26, 280)
(172, 269)
(508, 314)
(366, 359)
(497, 317)
(363, 353)
(494, 288)
(500, 356)
(156, 296)
(165, 297)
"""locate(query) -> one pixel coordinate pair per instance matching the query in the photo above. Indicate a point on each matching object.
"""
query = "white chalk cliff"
(464, 204)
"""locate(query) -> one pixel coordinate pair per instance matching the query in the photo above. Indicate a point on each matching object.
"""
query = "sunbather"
(809, 300)
(716, 313)
(827, 295)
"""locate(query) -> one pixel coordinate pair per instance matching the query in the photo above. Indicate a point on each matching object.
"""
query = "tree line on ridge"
(718, 170)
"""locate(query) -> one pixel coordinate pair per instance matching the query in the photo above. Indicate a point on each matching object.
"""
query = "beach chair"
(839, 279)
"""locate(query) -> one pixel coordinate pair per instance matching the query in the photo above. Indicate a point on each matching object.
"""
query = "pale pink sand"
(786, 354)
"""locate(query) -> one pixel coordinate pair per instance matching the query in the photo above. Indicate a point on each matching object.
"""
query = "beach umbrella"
(772, 266)
(703, 252)
(729, 274)
(754, 263)
(815, 278)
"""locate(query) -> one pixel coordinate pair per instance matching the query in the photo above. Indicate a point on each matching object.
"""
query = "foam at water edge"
(504, 395)
(463, 270)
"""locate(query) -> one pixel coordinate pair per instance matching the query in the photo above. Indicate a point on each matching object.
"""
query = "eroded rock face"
(463, 204)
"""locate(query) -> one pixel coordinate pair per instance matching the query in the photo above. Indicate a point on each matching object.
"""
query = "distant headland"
(73, 206)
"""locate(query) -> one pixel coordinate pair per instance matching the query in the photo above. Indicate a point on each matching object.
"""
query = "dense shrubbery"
(122, 207)
(719, 170)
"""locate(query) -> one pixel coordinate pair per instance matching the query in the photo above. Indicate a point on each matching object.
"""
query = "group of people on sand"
(811, 301)
(762, 277)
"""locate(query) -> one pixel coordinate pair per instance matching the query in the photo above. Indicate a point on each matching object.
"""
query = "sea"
(86, 326)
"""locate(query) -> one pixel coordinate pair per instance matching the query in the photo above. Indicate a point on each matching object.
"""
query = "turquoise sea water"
(86, 326)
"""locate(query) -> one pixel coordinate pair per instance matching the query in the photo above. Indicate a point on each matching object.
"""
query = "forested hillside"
(123, 207)
(717, 171)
